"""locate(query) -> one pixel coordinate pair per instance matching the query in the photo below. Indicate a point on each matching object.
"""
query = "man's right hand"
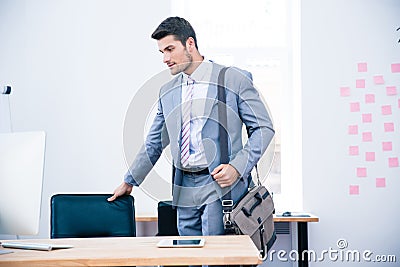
(122, 189)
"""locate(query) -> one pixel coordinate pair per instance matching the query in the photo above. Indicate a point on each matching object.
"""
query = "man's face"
(176, 56)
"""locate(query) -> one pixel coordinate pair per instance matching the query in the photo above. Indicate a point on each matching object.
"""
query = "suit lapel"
(177, 93)
(176, 101)
(212, 94)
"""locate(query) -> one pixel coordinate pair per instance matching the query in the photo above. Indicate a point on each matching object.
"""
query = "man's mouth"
(170, 65)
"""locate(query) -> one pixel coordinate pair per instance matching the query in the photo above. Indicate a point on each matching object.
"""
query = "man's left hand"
(225, 175)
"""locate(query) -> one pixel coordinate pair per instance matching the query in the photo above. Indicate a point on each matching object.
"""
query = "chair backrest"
(91, 215)
(167, 219)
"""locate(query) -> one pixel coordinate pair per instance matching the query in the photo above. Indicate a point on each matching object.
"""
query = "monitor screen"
(21, 177)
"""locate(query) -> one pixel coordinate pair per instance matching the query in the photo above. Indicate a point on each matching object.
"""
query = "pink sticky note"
(378, 79)
(369, 98)
(353, 129)
(355, 107)
(396, 67)
(367, 137)
(362, 67)
(353, 150)
(391, 90)
(387, 146)
(354, 190)
(344, 91)
(380, 182)
(360, 83)
(367, 117)
(394, 162)
(388, 126)
(370, 156)
(361, 172)
(386, 110)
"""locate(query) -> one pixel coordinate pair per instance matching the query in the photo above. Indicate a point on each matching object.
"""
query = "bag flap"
(253, 210)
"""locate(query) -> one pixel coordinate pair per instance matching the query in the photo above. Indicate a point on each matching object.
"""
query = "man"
(187, 120)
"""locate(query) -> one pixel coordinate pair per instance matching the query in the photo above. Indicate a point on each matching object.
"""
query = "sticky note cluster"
(374, 138)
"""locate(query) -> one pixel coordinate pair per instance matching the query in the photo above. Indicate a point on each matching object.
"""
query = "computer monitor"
(21, 178)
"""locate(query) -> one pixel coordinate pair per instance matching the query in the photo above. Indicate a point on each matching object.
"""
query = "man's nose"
(166, 58)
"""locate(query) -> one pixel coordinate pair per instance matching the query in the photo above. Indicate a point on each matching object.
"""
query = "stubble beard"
(183, 66)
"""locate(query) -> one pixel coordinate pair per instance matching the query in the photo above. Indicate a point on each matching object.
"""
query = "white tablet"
(181, 243)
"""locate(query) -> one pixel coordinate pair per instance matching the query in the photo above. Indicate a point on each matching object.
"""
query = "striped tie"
(186, 110)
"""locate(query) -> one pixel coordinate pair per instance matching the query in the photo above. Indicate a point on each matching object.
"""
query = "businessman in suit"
(187, 120)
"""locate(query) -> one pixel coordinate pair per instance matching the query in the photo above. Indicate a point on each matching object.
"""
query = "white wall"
(74, 67)
(336, 36)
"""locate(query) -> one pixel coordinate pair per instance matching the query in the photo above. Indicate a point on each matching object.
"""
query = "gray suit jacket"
(244, 106)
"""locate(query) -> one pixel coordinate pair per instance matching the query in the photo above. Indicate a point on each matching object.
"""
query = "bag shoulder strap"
(223, 135)
(222, 118)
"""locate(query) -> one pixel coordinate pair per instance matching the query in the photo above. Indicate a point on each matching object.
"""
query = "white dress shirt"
(201, 76)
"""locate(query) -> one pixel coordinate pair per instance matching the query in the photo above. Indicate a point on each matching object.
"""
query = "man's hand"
(122, 189)
(225, 175)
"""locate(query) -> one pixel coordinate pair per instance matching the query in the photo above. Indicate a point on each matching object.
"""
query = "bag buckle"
(228, 225)
(227, 203)
(227, 206)
(227, 221)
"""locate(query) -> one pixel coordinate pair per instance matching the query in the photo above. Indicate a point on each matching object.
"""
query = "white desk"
(135, 251)
(302, 229)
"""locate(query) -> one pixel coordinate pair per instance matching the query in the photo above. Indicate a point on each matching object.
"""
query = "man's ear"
(190, 45)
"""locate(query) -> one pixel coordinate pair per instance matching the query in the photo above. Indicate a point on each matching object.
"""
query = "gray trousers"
(201, 213)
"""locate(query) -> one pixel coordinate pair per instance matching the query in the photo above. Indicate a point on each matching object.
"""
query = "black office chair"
(167, 219)
(91, 215)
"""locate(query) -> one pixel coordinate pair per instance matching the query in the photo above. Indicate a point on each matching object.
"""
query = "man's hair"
(176, 26)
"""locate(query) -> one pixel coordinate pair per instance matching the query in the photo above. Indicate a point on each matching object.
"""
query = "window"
(260, 36)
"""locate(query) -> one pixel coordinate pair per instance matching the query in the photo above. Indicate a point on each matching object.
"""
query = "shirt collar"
(201, 74)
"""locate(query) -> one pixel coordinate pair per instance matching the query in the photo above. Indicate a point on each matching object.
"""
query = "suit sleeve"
(156, 140)
(254, 115)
